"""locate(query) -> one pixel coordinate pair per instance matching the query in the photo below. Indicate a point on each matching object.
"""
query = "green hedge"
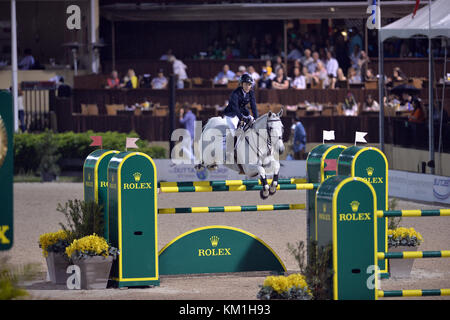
(73, 145)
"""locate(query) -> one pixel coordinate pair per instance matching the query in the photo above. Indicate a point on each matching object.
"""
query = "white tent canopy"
(408, 27)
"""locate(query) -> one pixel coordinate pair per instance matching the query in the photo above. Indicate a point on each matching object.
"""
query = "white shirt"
(179, 68)
(332, 67)
(255, 76)
(299, 82)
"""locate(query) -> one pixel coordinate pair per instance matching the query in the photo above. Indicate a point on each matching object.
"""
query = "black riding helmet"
(246, 78)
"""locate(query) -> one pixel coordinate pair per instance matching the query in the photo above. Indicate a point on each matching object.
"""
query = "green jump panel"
(132, 205)
(370, 164)
(6, 171)
(320, 164)
(217, 249)
(346, 220)
(95, 181)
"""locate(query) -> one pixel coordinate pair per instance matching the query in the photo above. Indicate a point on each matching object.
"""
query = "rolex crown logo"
(324, 207)
(214, 240)
(354, 205)
(137, 176)
(370, 171)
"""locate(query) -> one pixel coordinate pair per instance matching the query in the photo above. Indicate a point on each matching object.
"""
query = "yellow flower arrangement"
(282, 283)
(403, 236)
(92, 245)
(51, 238)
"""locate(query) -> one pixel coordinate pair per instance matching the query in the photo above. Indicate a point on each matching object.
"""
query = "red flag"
(330, 165)
(96, 141)
(416, 7)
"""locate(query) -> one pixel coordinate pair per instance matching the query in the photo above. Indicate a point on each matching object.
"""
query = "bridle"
(268, 140)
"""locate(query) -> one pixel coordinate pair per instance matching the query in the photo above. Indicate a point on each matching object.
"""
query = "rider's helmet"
(245, 78)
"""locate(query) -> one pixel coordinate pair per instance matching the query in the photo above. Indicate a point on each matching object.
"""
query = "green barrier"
(95, 180)
(132, 206)
(346, 220)
(6, 171)
(217, 249)
(370, 164)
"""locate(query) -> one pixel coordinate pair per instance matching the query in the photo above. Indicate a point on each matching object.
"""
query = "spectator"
(306, 59)
(416, 119)
(280, 81)
(145, 81)
(299, 81)
(353, 76)
(312, 66)
(321, 75)
(370, 104)
(299, 143)
(64, 90)
(363, 65)
(166, 55)
(294, 53)
(397, 76)
(224, 76)
(160, 82)
(179, 69)
(340, 81)
(265, 82)
(307, 75)
(355, 57)
(252, 72)
(21, 110)
(130, 80)
(369, 75)
(113, 81)
(269, 69)
(241, 71)
(278, 63)
(27, 62)
(187, 120)
(350, 106)
(331, 65)
(355, 39)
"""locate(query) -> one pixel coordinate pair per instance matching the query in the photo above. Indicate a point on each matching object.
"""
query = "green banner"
(6, 170)
(217, 249)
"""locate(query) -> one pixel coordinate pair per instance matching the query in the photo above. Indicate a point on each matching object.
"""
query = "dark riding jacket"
(237, 104)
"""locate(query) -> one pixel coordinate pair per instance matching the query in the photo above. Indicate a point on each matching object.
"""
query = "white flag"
(328, 135)
(359, 137)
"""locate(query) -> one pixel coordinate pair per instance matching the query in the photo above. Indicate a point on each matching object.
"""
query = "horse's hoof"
(212, 167)
(264, 194)
(272, 190)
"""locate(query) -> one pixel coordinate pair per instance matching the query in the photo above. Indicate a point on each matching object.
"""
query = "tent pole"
(381, 77)
(14, 64)
(430, 93)
(113, 45)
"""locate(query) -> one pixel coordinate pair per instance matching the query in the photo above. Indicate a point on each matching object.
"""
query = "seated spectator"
(27, 61)
(370, 104)
(350, 107)
(397, 76)
(294, 53)
(332, 65)
(340, 81)
(307, 75)
(269, 69)
(278, 63)
(280, 81)
(321, 75)
(224, 76)
(159, 82)
(252, 72)
(306, 59)
(353, 76)
(145, 81)
(312, 66)
(299, 81)
(130, 80)
(264, 81)
(370, 76)
(241, 71)
(391, 102)
(113, 81)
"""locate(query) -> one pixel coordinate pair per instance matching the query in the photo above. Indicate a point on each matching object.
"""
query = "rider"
(236, 109)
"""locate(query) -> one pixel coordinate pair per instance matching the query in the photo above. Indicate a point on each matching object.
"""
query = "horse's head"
(275, 130)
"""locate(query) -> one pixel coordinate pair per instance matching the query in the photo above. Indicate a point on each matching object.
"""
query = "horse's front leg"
(274, 184)
(264, 193)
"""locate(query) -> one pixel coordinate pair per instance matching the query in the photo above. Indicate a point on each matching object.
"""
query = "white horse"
(256, 152)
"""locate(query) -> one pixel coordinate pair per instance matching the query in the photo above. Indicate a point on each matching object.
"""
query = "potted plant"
(94, 256)
(53, 245)
(402, 239)
(292, 287)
